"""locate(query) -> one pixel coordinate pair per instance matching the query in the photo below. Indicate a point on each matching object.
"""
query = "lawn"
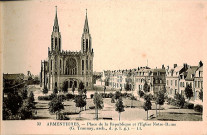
(167, 112)
(177, 116)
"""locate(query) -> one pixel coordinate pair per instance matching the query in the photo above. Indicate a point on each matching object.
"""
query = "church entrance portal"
(72, 82)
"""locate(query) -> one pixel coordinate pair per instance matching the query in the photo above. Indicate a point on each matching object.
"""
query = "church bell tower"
(56, 36)
(86, 37)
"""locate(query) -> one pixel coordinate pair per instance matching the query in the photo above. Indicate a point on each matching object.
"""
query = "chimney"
(185, 65)
(175, 65)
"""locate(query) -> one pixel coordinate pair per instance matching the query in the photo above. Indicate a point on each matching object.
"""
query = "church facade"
(68, 67)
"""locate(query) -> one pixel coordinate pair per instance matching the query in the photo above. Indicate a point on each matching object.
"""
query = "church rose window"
(71, 66)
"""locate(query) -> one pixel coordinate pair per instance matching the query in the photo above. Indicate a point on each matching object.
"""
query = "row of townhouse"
(173, 80)
(136, 78)
(178, 77)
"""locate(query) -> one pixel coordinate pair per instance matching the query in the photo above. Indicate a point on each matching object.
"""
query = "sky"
(125, 34)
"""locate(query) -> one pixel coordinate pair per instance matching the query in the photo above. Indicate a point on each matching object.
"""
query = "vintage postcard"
(103, 67)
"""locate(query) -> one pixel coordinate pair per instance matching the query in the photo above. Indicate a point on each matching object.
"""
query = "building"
(179, 77)
(136, 78)
(144, 74)
(68, 67)
(159, 80)
(198, 81)
(13, 83)
(175, 79)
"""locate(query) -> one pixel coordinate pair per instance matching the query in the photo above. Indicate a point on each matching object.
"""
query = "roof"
(19, 76)
(191, 73)
(158, 70)
(200, 69)
(177, 69)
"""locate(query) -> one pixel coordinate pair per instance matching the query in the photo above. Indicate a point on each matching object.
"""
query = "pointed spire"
(86, 28)
(56, 26)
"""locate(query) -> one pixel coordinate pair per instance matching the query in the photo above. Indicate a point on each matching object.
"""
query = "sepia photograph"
(94, 66)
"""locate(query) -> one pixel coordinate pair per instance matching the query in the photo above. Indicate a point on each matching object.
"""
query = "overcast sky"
(124, 33)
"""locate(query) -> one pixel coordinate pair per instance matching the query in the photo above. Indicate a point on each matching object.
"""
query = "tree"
(140, 93)
(180, 100)
(55, 91)
(73, 88)
(45, 90)
(119, 106)
(160, 99)
(85, 97)
(24, 94)
(31, 98)
(65, 87)
(146, 87)
(201, 95)
(26, 110)
(80, 102)
(104, 89)
(189, 92)
(81, 88)
(127, 87)
(117, 95)
(98, 102)
(55, 106)
(147, 104)
(13, 102)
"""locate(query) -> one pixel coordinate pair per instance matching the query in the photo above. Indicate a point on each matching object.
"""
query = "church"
(68, 67)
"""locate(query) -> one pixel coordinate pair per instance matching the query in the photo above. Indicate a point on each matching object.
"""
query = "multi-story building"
(144, 74)
(159, 80)
(68, 66)
(174, 77)
(198, 81)
(136, 79)
(179, 77)
(117, 79)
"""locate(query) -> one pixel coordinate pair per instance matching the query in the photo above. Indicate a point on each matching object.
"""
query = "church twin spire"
(56, 26)
(86, 27)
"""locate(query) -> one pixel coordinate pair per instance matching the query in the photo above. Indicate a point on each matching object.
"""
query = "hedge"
(188, 106)
(198, 108)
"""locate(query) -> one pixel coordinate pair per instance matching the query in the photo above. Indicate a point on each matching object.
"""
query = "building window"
(59, 43)
(82, 64)
(55, 43)
(201, 84)
(167, 82)
(86, 45)
(175, 82)
(60, 66)
(83, 45)
(86, 64)
(52, 43)
(195, 84)
(198, 84)
(90, 65)
(171, 82)
(51, 64)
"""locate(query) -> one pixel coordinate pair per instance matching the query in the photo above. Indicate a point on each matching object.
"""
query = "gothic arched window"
(55, 43)
(71, 66)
